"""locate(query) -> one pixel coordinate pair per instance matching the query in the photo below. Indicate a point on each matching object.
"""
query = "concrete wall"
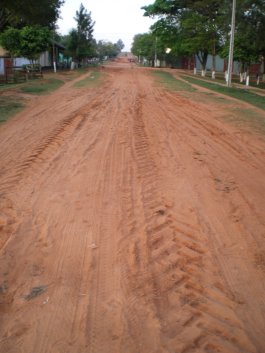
(2, 66)
(220, 64)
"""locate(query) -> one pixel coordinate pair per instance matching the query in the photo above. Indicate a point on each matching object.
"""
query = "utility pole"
(231, 48)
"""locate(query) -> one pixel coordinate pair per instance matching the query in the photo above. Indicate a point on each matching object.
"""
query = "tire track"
(194, 314)
(44, 150)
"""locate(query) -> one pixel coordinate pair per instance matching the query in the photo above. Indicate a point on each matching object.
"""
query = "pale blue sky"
(117, 19)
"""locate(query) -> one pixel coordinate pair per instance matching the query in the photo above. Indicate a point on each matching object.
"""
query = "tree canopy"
(80, 42)
(109, 49)
(28, 42)
(17, 13)
(192, 25)
(202, 27)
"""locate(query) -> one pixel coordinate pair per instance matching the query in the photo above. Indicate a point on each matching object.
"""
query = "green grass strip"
(93, 80)
(43, 86)
(9, 106)
(171, 83)
(238, 93)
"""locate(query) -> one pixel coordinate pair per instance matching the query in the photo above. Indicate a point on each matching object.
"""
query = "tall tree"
(84, 23)
(194, 23)
(81, 42)
(202, 27)
(249, 33)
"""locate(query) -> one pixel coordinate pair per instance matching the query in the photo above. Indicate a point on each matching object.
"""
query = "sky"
(116, 19)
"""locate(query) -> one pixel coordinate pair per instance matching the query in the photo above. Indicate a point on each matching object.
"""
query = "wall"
(220, 64)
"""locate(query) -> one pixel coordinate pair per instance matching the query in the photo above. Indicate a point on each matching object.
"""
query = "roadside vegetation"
(246, 118)
(219, 78)
(43, 86)
(9, 106)
(93, 80)
(172, 83)
(11, 102)
(238, 93)
(200, 28)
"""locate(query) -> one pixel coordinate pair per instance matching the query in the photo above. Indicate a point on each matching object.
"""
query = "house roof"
(57, 44)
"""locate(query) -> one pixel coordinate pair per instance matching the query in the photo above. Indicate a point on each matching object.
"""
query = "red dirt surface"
(132, 221)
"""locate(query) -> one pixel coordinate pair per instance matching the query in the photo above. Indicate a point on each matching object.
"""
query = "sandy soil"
(132, 221)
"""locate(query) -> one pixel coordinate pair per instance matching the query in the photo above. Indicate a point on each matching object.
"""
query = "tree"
(10, 40)
(249, 33)
(33, 41)
(80, 41)
(195, 24)
(119, 45)
(105, 49)
(84, 23)
(145, 46)
(28, 42)
(17, 13)
(202, 27)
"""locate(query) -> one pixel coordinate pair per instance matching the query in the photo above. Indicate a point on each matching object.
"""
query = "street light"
(231, 47)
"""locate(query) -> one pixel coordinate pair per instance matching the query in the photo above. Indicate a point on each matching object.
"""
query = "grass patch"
(252, 84)
(247, 117)
(171, 83)
(93, 80)
(9, 106)
(42, 86)
(238, 93)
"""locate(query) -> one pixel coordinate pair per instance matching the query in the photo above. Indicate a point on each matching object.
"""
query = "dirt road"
(132, 221)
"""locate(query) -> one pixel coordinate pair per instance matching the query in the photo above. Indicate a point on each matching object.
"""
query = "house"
(45, 60)
(5, 61)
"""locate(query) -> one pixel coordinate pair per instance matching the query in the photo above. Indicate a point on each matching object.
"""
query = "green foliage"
(84, 23)
(17, 13)
(171, 83)
(11, 41)
(80, 42)
(144, 46)
(93, 80)
(192, 25)
(9, 106)
(249, 32)
(202, 27)
(33, 41)
(42, 87)
(241, 94)
(28, 42)
(108, 49)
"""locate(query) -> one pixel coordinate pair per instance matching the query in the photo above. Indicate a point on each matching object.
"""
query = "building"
(45, 59)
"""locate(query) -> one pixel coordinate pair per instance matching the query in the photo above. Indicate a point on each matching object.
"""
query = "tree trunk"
(203, 60)
(262, 67)
(214, 61)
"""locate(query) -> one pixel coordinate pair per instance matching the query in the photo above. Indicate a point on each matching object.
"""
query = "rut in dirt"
(131, 221)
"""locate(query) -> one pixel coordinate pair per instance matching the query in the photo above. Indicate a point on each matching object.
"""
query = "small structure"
(46, 58)
(15, 69)
(5, 62)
